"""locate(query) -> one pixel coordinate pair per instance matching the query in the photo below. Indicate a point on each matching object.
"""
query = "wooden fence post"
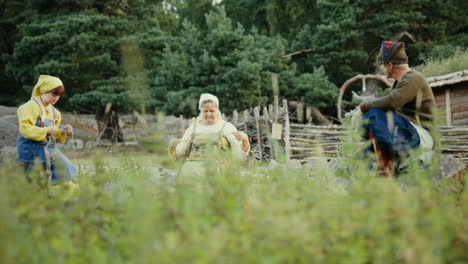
(259, 135)
(300, 113)
(309, 114)
(235, 118)
(267, 125)
(275, 84)
(270, 111)
(275, 109)
(246, 120)
(287, 143)
(181, 126)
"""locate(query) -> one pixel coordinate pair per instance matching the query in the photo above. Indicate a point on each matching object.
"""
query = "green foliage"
(127, 213)
(174, 49)
(192, 11)
(349, 30)
(316, 89)
(273, 17)
(83, 47)
(13, 13)
(249, 13)
(456, 62)
(303, 41)
(336, 40)
(103, 92)
(51, 45)
(225, 61)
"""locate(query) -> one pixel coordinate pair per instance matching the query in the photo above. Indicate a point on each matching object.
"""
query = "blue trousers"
(61, 167)
(393, 137)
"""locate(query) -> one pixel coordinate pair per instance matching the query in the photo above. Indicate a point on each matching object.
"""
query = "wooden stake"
(181, 125)
(276, 108)
(259, 135)
(287, 144)
(270, 111)
(309, 114)
(275, 84)
(448, 107)
(267, 125)
(246, 120)
(235, 118)
(300, 113)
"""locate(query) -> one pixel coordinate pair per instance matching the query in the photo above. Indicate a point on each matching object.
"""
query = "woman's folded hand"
(241, 136)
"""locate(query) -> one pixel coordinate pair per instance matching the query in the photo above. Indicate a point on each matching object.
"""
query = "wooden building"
(451, 94)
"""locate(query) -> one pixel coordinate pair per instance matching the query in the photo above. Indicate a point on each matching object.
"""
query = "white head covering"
(205, 97)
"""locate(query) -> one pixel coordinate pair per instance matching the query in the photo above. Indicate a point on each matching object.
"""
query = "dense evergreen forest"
(159, 55)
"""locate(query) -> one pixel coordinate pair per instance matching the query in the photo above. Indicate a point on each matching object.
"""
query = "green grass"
(278, 215)
(457, 62)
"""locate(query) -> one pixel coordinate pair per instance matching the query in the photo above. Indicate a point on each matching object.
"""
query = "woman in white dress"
(208, 134)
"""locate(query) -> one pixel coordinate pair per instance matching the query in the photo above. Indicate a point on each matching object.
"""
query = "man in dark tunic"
(400, 120)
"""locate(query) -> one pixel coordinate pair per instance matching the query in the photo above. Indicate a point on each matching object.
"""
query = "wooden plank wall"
(441, 103)
(459, 105)
(458, 100)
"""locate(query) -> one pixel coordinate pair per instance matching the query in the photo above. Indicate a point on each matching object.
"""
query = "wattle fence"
(296, 136)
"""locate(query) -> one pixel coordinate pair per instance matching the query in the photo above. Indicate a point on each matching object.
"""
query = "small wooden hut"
(451, 94)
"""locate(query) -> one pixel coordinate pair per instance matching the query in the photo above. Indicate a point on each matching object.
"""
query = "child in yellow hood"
(38, 131)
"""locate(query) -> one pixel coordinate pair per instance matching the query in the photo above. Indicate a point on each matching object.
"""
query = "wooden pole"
(275, 84)
(259, 135)
(309, 114)
(246, 120)
(300, 113)
(267, 125)
(235, 118)
(181, 126)
(348, 83)
(287, 144)
(275, 108)
(104, 122)
(448, 107)
(270, 111)
(320, 117)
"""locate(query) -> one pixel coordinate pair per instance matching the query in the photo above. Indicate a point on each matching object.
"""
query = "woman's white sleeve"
(184, 144)
(236, 145)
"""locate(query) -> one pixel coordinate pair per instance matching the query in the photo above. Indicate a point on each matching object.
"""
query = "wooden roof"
(447, 79)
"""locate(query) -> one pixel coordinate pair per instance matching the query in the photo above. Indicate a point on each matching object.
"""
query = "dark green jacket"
(411, 97)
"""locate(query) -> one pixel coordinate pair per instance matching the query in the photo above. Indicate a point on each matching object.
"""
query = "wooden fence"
(454, 141)
(262, 125)
(271, 126)
(309, 142)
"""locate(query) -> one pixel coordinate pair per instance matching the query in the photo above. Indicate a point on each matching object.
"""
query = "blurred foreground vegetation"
(247, 213)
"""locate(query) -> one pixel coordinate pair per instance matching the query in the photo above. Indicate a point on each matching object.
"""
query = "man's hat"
(392, 52)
